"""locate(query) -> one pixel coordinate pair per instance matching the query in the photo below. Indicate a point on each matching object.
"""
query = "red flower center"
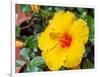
(65, 40)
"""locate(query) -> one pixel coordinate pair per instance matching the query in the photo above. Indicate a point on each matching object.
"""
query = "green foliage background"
(31, 54)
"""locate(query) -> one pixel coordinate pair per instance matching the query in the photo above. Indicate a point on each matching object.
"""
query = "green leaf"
(84, 15)
(19, 63)
(37, 28)
(25, 53)
(32, 55)
(35, 46)
(33, 66)
(24, 38)
(18, 31)
(46, 12)
(33, 69)
(29, 42)
(36, 69)
(81, 10)
(37, 61)
(59, 9)
(87, 64)
(87, 51)
(26, 9)
(90, 22)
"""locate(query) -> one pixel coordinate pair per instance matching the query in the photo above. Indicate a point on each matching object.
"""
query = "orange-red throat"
(65, 40)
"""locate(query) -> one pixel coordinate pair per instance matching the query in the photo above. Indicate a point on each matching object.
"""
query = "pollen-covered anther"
(54, 35)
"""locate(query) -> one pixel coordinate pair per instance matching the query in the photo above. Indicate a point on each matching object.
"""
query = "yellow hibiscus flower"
(62, 42)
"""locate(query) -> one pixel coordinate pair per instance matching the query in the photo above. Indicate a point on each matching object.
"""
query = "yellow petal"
(76, 67)
(80, 31)
(68, 19)
(54, 58)
(74, 55)
(45, 42)
(62, 21)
